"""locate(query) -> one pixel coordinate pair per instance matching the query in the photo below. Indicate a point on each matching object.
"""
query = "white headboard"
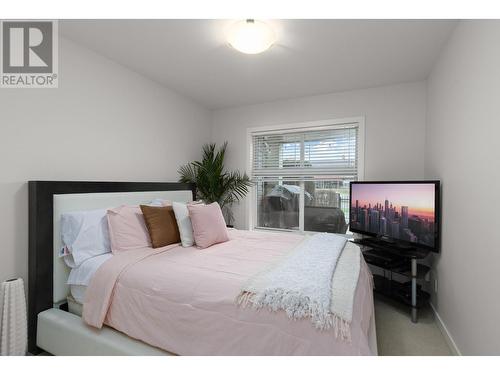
(91, 201)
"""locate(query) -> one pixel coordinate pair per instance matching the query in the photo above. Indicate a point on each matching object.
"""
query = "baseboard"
(446, 334)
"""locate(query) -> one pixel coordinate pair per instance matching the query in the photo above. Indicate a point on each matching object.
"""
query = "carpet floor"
(397, 335)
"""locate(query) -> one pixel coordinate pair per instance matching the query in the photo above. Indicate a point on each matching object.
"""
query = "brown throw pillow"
(161, 224)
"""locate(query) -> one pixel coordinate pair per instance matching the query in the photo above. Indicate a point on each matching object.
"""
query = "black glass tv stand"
(400, 260)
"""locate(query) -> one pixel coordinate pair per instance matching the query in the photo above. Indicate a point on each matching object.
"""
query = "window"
(302, 176)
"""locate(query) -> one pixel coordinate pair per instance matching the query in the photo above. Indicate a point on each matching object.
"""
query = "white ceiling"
(311, 56)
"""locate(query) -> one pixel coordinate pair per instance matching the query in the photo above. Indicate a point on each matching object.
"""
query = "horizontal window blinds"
(306, 154)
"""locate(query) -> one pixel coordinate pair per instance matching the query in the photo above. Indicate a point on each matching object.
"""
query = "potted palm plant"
(213, 182)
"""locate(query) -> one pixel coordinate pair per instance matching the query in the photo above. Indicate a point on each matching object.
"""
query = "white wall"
(395, 128)
(463, 150)
(104, 122)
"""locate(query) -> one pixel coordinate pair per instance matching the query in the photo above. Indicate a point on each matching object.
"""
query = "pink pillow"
(127, 229)
(209, 226)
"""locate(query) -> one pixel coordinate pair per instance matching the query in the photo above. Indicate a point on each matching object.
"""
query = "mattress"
(74, 307)
(182, 300)
(78, 293)
(79, 277)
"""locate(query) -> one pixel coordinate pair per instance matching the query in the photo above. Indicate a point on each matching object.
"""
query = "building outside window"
(302, 175)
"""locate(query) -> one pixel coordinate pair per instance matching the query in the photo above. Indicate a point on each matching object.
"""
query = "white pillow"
(85, 235)
(184, 223)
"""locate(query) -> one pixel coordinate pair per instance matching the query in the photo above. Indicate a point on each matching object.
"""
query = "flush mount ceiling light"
(251, 36)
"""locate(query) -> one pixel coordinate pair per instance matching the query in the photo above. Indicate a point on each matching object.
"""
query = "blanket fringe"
(296, 307)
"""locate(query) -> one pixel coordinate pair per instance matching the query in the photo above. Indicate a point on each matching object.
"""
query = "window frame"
(251, 204)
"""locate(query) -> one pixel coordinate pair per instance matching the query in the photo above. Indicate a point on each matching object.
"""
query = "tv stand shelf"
(405, 251)
(400, 292)
(401, 261)
(422, 270)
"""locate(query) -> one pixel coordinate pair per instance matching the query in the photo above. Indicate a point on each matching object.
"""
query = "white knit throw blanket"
(316, 280)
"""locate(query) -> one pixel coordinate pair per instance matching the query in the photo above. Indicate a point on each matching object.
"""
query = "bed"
(197, 314)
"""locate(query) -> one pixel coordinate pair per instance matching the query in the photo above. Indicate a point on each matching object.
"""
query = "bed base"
(62, 333)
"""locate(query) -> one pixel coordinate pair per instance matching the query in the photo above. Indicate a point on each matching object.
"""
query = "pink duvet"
(182, 300)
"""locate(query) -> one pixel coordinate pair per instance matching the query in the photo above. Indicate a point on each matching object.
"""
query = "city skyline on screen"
(419, 198)
(401, 211)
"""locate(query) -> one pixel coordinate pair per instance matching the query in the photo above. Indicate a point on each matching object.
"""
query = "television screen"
(401, 211)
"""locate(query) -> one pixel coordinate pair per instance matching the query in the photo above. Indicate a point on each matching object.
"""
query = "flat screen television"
(403, 212)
